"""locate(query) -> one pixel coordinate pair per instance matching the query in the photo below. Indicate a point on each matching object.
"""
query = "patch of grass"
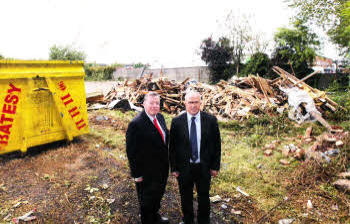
(243, 163)
(342, 115)
(240, 160)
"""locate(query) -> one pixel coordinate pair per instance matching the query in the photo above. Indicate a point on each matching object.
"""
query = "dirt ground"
(80, 182)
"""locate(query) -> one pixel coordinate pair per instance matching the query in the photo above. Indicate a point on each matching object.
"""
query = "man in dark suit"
(195, 152)
(147, 150)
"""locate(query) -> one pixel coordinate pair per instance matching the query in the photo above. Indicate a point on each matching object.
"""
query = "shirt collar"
(150, 117)
(197, 116)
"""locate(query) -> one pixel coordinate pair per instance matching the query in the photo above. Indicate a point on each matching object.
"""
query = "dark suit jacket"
(146, 151)
(180, 147)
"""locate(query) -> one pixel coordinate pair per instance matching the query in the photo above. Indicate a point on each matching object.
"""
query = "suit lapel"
(203, 130)
(147, 121)
(184, 120)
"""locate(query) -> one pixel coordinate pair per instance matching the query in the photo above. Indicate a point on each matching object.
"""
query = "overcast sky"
(159, 32)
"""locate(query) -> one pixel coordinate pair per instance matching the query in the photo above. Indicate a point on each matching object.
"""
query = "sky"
(161, 33)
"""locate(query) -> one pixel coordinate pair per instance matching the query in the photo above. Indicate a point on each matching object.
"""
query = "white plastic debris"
(215, 199)
(243, 112)
(242, 192)
(285, 221)
(110, 201)
(26, 217)
(309, 204)
(296, 97)
(236, 212)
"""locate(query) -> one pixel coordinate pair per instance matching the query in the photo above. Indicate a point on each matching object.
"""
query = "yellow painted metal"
(41, 102)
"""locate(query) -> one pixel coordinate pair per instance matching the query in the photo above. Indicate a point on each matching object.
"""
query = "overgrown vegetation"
(332, 16)
(66, 53)
(97, 72)
(341, 96)
(297, 48)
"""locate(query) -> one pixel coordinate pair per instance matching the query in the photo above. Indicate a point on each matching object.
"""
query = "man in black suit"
(147, 150)
(195, 152)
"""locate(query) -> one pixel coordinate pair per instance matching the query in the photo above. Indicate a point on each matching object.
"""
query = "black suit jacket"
(146, 151)
(180, 147)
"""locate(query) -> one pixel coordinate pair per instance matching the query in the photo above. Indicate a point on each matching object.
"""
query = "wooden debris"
(95, 97)
(343, 184)
(240, 99)
(308, 132)
(345, 175)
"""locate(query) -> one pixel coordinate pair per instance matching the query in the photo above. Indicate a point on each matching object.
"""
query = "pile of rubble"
(320, 148)
(238, 99)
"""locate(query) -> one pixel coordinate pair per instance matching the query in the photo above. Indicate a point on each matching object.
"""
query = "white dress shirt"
(198, 130)
(152, 118)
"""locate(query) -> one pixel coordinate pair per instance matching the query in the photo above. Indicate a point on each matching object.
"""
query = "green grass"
(243, 161)
(241, 154)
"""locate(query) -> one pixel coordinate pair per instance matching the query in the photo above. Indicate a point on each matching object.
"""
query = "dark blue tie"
(193, 140)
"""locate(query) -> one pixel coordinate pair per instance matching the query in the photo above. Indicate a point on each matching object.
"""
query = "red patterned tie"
(157, 126)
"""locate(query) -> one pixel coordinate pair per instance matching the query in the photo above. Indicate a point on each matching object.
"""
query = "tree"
(259, 63)
(218, 57)
(66, 53)
(332, 15)
(240, 35)
(296, 47)
(1, 57)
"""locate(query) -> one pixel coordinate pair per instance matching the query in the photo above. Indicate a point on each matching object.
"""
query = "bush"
(66, 53)
(99, 72)
(259, 63)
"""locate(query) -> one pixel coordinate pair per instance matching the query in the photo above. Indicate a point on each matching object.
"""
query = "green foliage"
(264, 125)
(1, 57)
(66, 53)
(140, 65)
(99, 72)
(218, 57)
(340, 33)
(259, 63)
(295, 46)
(333, 16)
(342, 97)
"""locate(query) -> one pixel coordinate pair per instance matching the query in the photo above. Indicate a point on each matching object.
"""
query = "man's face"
(193, 104)
(152, 105)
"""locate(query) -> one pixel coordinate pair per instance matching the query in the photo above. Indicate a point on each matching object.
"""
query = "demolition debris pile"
(238, 99)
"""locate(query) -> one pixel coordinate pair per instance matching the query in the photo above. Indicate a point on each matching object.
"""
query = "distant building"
(324, 65)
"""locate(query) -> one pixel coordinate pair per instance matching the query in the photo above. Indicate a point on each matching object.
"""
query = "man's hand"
(175, 174)
(138, 179)
(214, 173)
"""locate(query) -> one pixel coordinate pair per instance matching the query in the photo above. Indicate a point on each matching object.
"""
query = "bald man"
(195, 153)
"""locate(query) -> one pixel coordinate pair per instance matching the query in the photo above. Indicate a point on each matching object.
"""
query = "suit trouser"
(201, 179)
(149, 193)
